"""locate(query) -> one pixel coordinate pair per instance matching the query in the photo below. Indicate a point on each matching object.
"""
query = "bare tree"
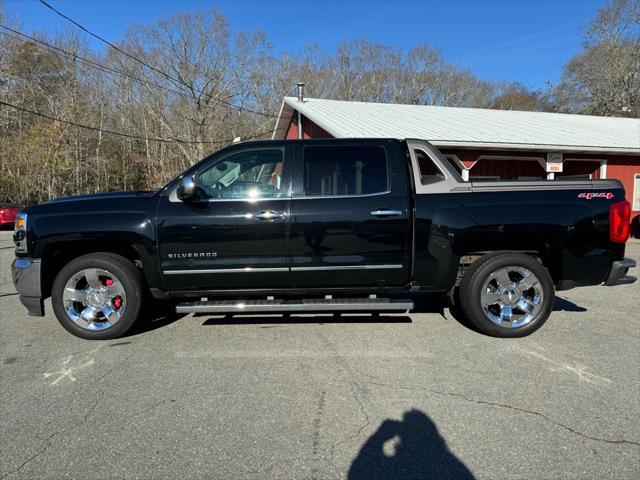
(515, 96)
(604, 79)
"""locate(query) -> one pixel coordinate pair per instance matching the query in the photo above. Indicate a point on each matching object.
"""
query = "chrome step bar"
(298, 305)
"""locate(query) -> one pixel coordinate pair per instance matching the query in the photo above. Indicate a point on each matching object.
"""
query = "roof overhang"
(535, 147)
(291, 104)
(282, 122)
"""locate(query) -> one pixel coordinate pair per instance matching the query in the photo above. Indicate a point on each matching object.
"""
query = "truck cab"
(305, 213)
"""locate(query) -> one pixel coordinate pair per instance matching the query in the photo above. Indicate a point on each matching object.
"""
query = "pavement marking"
(68, 372)
(579, 370)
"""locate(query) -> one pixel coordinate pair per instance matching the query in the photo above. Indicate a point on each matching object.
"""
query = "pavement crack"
(506, 406)
(541, 415)
(358, 390)
(90, 411)
(47, 440)
(361, 407)
(26, 462)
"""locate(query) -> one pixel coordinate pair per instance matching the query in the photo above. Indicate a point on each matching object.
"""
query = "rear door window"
(345, 170)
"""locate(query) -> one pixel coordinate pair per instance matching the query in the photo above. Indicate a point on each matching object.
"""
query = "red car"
(8, 213)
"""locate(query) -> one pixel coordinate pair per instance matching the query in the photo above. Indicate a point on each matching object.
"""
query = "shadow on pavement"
(160, 314)
(156, 314)
(429, 303)
(438, 304)
(562, 304)
(410, 449)
(232, 319)
(423, 304)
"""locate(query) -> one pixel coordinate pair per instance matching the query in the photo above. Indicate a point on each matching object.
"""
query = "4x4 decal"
(589, 196)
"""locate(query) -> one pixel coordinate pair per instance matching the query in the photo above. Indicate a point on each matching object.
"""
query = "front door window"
(251, 174)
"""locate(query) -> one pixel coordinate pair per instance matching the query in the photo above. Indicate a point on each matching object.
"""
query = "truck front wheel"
(98, 296)
(507, 294)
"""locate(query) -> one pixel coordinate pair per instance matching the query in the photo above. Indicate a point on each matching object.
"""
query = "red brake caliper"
(117, 300)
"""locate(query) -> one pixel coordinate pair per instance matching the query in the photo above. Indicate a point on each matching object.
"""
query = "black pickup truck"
(343, 225)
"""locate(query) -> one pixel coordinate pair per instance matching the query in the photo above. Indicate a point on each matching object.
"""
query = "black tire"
(479, 274)
(131, 279)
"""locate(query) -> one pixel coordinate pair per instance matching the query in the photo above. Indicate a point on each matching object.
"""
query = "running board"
(300, 305)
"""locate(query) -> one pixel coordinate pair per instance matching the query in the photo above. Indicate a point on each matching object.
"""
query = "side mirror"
(186, 189)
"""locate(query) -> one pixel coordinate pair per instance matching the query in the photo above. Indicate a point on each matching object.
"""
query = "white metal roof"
(468, 127)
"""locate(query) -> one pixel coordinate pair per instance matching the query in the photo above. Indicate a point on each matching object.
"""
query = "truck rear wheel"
(507, 294)
(98, 296)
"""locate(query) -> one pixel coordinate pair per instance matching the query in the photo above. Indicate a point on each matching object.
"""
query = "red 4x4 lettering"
(590, 195)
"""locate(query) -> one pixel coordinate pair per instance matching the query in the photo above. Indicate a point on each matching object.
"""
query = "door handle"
(386, 213)
(269, 215)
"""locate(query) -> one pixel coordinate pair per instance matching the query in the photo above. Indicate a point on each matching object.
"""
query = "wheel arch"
(58, 254)
(548, 253)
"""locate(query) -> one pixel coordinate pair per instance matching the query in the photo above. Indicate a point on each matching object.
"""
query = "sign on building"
(554, 162)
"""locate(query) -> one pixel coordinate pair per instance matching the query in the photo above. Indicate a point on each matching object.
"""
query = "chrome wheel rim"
(512, 297)
(94, 299)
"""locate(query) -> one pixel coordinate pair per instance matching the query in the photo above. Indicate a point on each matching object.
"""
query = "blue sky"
(523, 40)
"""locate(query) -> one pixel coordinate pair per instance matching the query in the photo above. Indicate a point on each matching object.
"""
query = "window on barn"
(345, 170)
(636, 192)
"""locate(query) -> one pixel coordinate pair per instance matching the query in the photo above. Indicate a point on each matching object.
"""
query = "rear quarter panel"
(570, 233)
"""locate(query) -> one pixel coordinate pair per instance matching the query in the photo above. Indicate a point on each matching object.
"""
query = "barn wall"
(309, 129)
(624, 169)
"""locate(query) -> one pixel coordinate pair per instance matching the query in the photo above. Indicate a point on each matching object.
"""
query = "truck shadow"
(156, 314)
(160, 314)
(235, 319)
(564, 305)
(408, 449)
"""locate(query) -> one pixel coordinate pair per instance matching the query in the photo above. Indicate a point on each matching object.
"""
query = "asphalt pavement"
(315, 397)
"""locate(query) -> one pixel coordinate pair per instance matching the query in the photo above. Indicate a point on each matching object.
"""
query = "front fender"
(89, 228)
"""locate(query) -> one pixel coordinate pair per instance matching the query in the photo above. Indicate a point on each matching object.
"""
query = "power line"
(127, 135)
(103, 67)
(96, 129)
(151, 67)
(97, 65)
(93, 63)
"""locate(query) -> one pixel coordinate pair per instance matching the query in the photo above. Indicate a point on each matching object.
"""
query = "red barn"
(486, 144)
